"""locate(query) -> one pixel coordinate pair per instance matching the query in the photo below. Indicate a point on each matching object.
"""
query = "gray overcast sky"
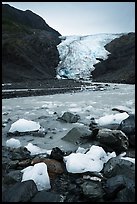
(84, 18)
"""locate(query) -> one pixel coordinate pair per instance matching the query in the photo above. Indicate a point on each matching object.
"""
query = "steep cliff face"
(120, 65)
(29, 46)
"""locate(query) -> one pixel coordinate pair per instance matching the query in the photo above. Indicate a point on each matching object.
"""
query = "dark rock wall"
(29, 46)
(120, 65)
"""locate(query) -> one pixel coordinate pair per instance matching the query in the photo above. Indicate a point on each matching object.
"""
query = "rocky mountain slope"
(120, 65)
(29, 46)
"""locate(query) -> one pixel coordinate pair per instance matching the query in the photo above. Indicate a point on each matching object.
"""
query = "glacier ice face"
(79, 54)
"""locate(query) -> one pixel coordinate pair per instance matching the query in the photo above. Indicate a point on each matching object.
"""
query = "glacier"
(79, 54)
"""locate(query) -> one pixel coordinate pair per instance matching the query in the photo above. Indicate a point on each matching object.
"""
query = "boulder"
(20, 192)
(119, 187)
(115, 139)
(69, 117)
(57, 154)
(125, 195)
(20, 153)
(12, 177)
(77, 135)
(128, 127)
(117, 166)
(93, 190)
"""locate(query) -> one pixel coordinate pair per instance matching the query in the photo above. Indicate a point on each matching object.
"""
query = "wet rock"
(24, 163)
(42, 117)
(128, 127)
(13, 164)
(20, 154)
(120, 110)
(68, 185)
(6, 121)
(125, 195)
(44, 196)
(12, 177)
(69, 117)
(16, 134)
(115, 139)
(57, 154)
(20, 192)
(132, 140)
(116, 166)
(130, 152)
(39, 133)
(6, 152)
(5, 160)
(77, 134)
(115, 185)
(93, 123)
(93, 190)
(14, 158)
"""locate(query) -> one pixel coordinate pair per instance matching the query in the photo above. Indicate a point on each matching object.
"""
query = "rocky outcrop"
(29, 46)
(120, 65)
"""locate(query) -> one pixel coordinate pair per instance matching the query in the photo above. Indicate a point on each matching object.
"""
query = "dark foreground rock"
(115, 182)
(128, 127)
(116, 188)
(20, 192)
(116, 166)
(45, 196)
(77, 134)
(114, 139)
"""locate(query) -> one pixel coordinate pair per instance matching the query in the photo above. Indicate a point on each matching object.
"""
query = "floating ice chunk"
(78, 163)
(112, 119)
(35, 150)
(38, 173)
(23, 125)
(92, 161)
(13, 143)
(129, 159)
(96, 152)
(81, 150)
